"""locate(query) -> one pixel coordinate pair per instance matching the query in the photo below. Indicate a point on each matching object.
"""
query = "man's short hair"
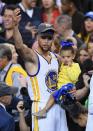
(9, 7)
(76, 3)
(64, 19)
(5, 52)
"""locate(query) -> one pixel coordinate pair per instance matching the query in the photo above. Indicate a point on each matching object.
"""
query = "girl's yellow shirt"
(68, 74)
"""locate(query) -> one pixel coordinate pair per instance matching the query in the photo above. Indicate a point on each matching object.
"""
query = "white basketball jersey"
(45, 80)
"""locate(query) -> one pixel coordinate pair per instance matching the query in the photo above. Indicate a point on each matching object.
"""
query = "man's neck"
(49, 10)
(46, 55)
(43, 53)
(68, 33)
(25, 5)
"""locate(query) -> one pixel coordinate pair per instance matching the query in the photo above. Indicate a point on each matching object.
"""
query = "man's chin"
(45, 49)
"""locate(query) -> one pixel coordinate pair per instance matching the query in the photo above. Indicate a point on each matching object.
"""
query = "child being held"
(69, 72)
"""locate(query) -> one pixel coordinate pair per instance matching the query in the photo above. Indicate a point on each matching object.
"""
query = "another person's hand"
(86, 80)
(20, 106)
(31, 29)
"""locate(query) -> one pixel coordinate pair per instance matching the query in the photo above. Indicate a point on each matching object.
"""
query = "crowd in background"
(32, 34)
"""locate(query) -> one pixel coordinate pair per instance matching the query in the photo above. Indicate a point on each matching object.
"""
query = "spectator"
(8, 23)
(14, 53)
(71, 8)
(29, 15)
(7, 37)
(82, 55)
(63, 26)
(87, 27)
(6, 57)
(90, 48)
(6, 120)
(49, 11)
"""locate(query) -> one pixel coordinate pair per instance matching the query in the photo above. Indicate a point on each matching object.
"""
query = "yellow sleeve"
(73, 72)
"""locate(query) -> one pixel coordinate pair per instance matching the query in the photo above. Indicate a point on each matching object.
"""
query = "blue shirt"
(6, 120)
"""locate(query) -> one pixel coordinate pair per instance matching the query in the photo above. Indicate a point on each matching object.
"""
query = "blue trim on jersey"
(37, 70)
(90, 113)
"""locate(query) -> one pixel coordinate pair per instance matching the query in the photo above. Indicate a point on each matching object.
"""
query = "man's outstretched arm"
(25, 52)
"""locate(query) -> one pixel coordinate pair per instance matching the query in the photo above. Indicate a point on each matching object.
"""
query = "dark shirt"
(35, 20)
(77, 20)
(6, 121)
(87, 5)
(4, 40)
(79, 41)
